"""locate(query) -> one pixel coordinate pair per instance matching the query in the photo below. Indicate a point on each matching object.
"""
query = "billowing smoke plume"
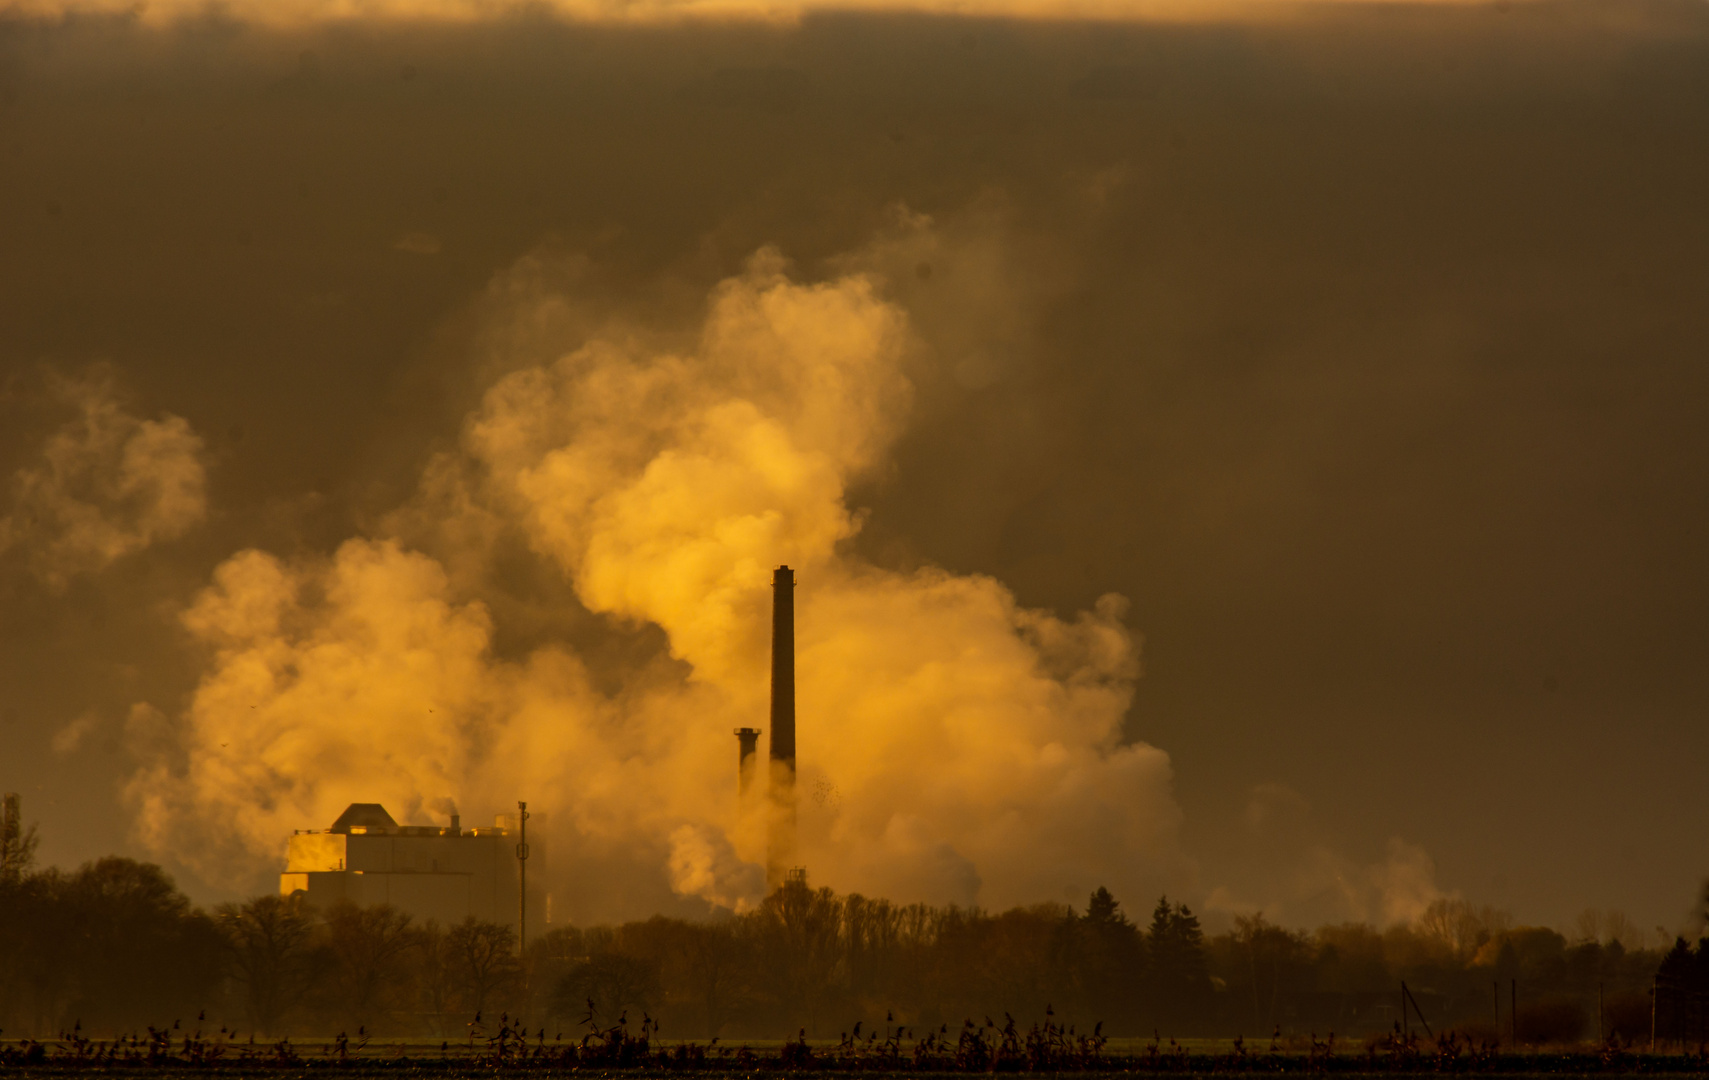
(104, 485)
(954, 746)
(1288, 871)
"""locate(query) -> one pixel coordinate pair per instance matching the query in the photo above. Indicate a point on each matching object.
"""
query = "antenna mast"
(522, 879)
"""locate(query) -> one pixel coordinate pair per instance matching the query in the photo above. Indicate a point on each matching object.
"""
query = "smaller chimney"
(747, 742)
(456, 825)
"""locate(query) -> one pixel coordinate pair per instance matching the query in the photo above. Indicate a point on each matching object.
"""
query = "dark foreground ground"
(1515, 1068)
(976, 1051)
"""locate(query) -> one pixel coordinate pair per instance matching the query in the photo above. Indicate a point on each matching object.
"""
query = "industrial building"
(429, 872)
(449, 874)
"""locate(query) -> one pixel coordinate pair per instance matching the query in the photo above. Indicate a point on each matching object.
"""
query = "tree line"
(114, 946)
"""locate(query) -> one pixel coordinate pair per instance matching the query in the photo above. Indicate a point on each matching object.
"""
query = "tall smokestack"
(783, 667)
(780, 846)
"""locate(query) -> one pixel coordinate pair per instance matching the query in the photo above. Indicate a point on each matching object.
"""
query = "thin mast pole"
(521, 879)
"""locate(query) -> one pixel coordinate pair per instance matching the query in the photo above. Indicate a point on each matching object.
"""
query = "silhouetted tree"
(142, 952)
(482, 962)
(36, 982)
(1462, 927)
(1013, 962)
(17, 842)
(872, 932)
(437, 988)
(116, 944)
(1179, 981)
(1679, 991)
(619, 986)
(1277, 962)
(798, 934)
(715, 964)
(1111, 961)
(270, 944)
(370, 950)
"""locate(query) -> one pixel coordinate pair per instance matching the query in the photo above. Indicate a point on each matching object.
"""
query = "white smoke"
(1291, 873)
(954, 746)
(104, 485)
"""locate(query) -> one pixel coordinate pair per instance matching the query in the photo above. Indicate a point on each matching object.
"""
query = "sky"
(1256, 452)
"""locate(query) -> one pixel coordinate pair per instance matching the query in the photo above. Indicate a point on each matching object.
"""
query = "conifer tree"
(1178, 980)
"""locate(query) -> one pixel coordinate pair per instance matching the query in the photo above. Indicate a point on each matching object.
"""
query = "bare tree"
(1276, 959)
(1460, 925)
(141, 950)
(436, 977)
(716, 962)
(370, 953)
(799, 933)
(270, 943)
(618, 985)
(483, 960)
(36, 982)
(17, 843)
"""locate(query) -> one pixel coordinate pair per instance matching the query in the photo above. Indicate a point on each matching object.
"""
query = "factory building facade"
(450, 874)
(447, 874)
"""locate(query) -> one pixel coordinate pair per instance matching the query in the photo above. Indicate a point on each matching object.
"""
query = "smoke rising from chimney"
(979, 751)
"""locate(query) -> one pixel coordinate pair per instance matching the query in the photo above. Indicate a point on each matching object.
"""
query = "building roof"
(364, 815)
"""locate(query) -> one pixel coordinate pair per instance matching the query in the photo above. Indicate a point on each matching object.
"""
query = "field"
(615, 1051)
